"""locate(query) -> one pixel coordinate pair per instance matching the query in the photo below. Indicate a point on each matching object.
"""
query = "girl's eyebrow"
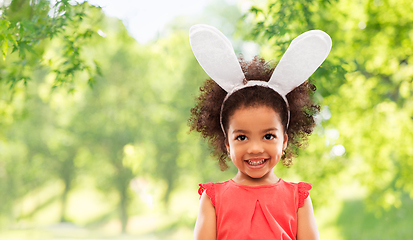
(270, 129)
(246, 131)
(240, 131)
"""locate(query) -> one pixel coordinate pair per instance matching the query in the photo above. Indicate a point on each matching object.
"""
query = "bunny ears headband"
(215, 54)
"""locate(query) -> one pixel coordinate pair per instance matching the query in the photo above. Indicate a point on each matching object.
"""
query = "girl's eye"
(269, 136)
(241, 138)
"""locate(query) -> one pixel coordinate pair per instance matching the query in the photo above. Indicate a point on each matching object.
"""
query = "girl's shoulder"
(210, 186)
(209, 189)
(300, 190)
(299, 185)
(302, 187)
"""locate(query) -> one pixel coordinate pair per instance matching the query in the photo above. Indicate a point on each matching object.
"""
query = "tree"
(365, 87)
(28, 32)
(27, 26)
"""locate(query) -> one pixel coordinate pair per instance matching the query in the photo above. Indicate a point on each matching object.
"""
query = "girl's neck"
(243, 179)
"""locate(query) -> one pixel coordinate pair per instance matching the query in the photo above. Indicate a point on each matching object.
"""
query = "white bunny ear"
(216, 56)
(302, 58)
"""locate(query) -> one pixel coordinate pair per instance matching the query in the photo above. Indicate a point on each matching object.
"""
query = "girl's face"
(255, 142)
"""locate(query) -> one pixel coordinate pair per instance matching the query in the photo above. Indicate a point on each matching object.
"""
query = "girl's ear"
(285, 141)
(227, 146)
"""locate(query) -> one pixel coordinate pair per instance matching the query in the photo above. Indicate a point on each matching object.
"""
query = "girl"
(256, 116)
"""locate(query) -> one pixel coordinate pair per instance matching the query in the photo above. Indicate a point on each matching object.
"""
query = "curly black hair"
(205, 116)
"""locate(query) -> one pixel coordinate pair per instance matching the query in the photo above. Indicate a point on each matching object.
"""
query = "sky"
(144, 19)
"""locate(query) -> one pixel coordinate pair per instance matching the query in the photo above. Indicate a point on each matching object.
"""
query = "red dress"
(256, 212)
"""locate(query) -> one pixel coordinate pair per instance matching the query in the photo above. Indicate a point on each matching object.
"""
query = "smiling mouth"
(255, 163)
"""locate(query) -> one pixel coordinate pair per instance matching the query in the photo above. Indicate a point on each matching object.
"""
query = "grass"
(92, 219)
(356, 222)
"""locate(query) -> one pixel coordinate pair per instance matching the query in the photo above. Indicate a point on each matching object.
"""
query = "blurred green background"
(94, 142)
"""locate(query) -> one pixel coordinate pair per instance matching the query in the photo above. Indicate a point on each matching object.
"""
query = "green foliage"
(130, 127)
(365, 85)
(356, 222)
(129, 131)
(27, 26)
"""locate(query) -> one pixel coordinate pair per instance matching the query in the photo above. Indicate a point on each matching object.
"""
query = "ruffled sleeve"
(210, 190)
(303, 189)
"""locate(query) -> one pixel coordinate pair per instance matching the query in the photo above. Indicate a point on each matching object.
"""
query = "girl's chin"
(262, 177)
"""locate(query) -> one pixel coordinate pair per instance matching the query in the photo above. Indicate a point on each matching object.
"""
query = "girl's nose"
(255, 147)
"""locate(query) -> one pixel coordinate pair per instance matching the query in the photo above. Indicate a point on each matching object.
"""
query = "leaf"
(5, 48)
(98, 68)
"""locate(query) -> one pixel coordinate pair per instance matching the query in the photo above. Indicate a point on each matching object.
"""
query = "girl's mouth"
(256, 162)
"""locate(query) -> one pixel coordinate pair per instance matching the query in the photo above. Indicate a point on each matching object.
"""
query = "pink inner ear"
(300, 61)
(216, 56)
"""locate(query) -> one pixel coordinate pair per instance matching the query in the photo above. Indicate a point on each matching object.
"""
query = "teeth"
(256, 162)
